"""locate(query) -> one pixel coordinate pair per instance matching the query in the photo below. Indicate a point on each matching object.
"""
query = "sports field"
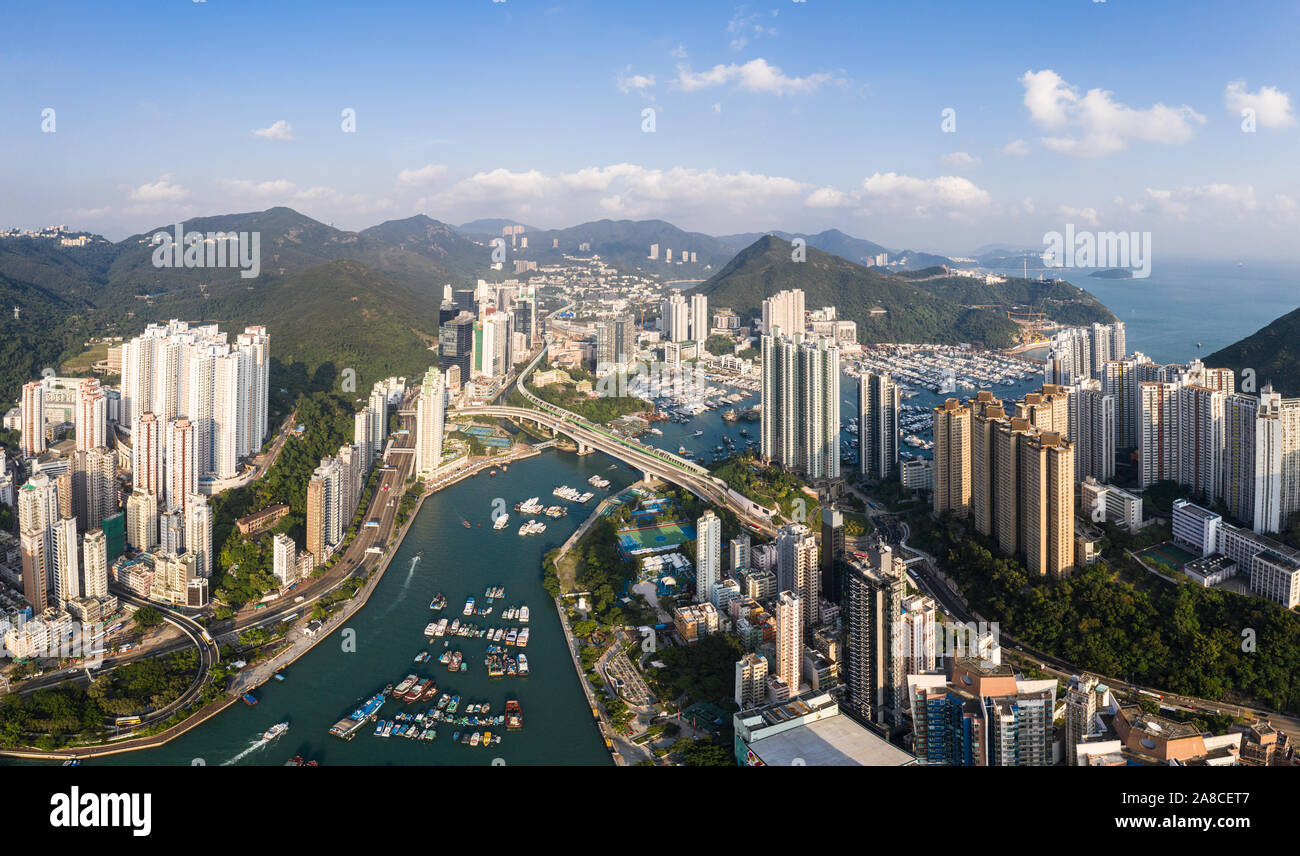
(1168, 554)
(634, 541)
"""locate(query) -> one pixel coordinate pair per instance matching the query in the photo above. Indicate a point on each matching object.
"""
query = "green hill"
(434, 240)
(1057, 299)
(912, 313)
(1273, 352)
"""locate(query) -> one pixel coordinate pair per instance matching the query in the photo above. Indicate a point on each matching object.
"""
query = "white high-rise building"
(378, 411)
(914, 637)
(1268, 464)
(171, 532)
(361, 436)
(38, 504)
(879, 401)
(797, 568)
(1201, 439)
(147, 455)
(789, 639)
(198, 533)
(1092, 430)
(708, 555)
(699, 317)
(284, 561)
(94, 564)
(800, 405)
(174, 370)
(430, 421)
(142, 520)
(90, 419)
(1158, 434)
(675, 319)
(182, 465)
(784, 311)
(67, 567)
(32, 410)
(1069, 357)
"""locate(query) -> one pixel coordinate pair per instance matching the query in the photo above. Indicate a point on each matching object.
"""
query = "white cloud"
(423, 175)
(1016, 149)
(744, 27)
(162, 190)
(1212, 201)
(947, 195)
(959, 160)
(244, 188)
(1100, 125)
(1087, 216)
(828, 197)
(754, 76)
(1271, 106)
(639, 82)
(281, 130)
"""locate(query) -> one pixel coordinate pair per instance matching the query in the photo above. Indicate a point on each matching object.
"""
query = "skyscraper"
(789, 639)
(1092, 430)
(1158, 432)
(797, 568)
(142, 520)
(182, 463)
(800, 405)
(674, 318)
(325, 522)
(952, 472)
(90, 419)
(784, 311)
(1046, 500)
(94, 564)
(430, 415)
(740, 548)
(32, 412)
(875, 680)
(147, 455)
(198, 533)
(751, 681)
(284, 560)
(456, 344)
(67, 565)
(699, 317)
(878, 405)
(832, 554)
(914, 638)
(708, 555)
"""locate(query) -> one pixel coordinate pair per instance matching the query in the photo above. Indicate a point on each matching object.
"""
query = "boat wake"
(259, 743)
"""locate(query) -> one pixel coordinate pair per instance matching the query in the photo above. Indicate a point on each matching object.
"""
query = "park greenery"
(769, 486)
(242, 570)
(69, 711)
(1208, 643)
(704, 671)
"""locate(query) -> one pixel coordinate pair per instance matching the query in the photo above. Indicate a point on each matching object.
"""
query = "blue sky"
(791, 115)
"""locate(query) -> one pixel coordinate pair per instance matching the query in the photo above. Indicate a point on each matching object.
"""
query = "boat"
(415, 692)
(522, 641)
(466, 524)
(523, 614)
(423, 656)
(514, 715)
(501, 522)
(419, 554)
(278, 676)
(249, 698)
(455, 661)
(512, 636)
(430, 629)
(406, 684)
(295, 761)
(275, 730)
(430, 691)
(475, 738)
(523, 664)
(469, 607)
(698, 434)
(439, 601)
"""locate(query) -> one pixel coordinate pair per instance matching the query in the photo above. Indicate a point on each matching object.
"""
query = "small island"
(1112, 273)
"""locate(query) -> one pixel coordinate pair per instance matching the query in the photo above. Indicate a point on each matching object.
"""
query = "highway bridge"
(652, 462)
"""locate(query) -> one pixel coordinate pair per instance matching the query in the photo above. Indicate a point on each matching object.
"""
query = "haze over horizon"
(792, 116)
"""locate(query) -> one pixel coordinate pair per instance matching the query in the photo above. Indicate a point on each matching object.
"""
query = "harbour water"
(327, 683)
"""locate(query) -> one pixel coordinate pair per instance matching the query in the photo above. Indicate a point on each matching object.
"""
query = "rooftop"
(836, 741)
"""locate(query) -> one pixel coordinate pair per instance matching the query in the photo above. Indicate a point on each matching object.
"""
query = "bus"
(127, 720)
(206, 638)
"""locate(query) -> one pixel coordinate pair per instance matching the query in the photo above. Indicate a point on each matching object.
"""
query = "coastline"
(260, 673)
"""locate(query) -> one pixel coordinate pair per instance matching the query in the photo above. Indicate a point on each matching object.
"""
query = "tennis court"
(636, 541)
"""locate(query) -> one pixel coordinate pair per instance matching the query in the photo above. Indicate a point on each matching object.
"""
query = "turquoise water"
(326, 683)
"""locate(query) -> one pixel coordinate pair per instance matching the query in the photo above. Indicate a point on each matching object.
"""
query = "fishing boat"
(416, 691)
(522, 640)
(275, 730)
(514, 715)
(278, 676)
(523, 664)
(295, 761)
(469, 607)
(249, 698)
(439, 601)
(523, 614)
(406, 684)
(455, 661)
(423, 656)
